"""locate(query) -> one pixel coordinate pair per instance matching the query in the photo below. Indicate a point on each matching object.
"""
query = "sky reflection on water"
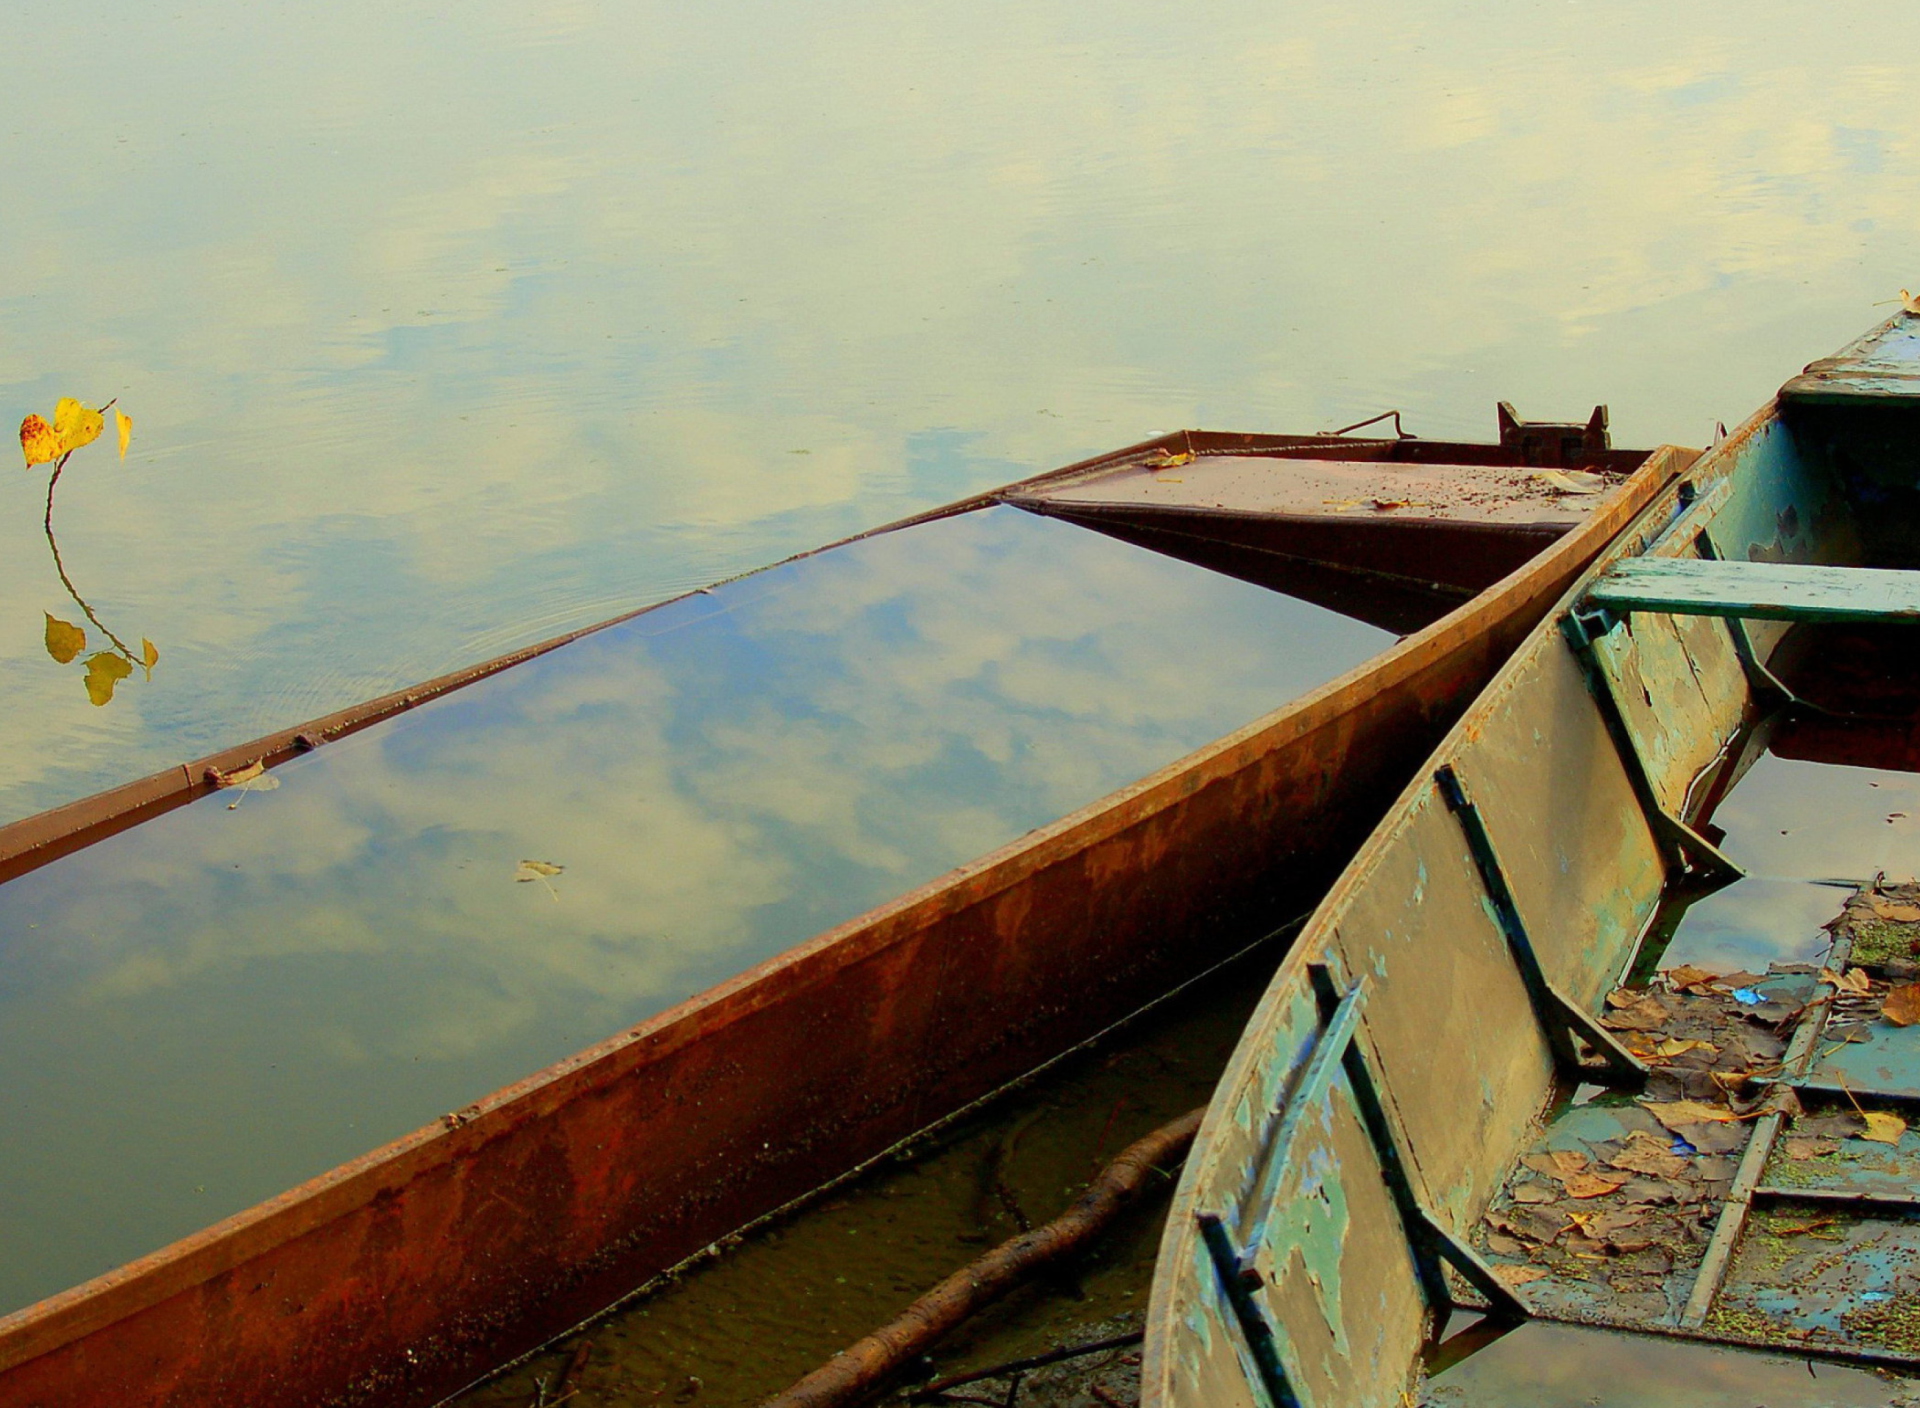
(206, 1009)
(447, 329)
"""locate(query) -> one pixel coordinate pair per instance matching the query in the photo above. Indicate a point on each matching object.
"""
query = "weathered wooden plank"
(1766, 591)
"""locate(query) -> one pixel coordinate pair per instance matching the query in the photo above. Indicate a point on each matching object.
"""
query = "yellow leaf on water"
(1883, 1128)
(1909, 304)
(38, 441)
(535, 869)
(124, 424)
(75, 425)
(239, 777)
(104, 671)
(149, 656)
(65, 640)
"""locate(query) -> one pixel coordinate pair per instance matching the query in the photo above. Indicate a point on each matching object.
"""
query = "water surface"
(446, 328)
(205, 1010)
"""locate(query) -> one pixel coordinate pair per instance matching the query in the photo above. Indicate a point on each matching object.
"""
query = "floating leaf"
(239, 777)
(1883, 1128)
(38, 441)
(65, 640)
(531, 870)
(1909, 304)
(149, 656)
(104, 671)
(124, 424)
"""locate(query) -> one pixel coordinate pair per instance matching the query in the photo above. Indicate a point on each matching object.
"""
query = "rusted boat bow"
(1471, 1085)
(400, 1276)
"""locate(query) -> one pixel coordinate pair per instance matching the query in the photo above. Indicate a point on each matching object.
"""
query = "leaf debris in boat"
(1902, 1005)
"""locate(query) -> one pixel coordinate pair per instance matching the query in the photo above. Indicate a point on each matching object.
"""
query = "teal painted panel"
(1768, 591)
(1885, 364)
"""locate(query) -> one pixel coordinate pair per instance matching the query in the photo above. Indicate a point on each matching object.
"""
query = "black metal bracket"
(1252, 1320)
(1691, 858)
(1762, 681)
(1429, 1241)
(1566, 1023)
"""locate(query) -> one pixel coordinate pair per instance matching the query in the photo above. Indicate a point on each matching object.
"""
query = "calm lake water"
(447, 328)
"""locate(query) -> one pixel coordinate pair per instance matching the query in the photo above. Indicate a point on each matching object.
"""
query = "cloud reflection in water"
(210, 1007)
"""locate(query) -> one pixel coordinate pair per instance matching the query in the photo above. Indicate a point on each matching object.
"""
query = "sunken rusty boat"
(404, 1273)
(1490, 1077)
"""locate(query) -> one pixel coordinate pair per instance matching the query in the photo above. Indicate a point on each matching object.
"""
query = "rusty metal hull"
(400, 1276)
(1451, 988)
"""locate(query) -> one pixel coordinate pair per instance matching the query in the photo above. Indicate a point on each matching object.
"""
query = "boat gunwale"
(1663, 526)
(187, 1263)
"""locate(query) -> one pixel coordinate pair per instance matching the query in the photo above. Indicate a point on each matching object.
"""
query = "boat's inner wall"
(1449, 1029)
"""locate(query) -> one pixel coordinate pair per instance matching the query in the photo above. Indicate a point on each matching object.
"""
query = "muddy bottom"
(746, 1323)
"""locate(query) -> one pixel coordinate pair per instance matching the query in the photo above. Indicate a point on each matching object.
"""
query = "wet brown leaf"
(65, 640)
(239, 777)
(1677, 1114)
(1635, 1012)
(1801, 1150)
(1557, 1163)
(104, 671)
(1500, 1244)
(1531, 1192)
(1855, 980)
(1688, 976)
(1513, 1274)
(1902, 1006)
(1676, 1046)
(1648, 1155)
(1594, 1185)
(1843, 1124)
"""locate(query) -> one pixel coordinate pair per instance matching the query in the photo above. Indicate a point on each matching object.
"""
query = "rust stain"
(401, 1275)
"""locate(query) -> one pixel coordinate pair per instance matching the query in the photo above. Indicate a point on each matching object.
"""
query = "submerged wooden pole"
(870, 1365)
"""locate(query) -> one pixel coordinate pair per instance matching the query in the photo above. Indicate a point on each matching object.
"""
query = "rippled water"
(446, 328)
